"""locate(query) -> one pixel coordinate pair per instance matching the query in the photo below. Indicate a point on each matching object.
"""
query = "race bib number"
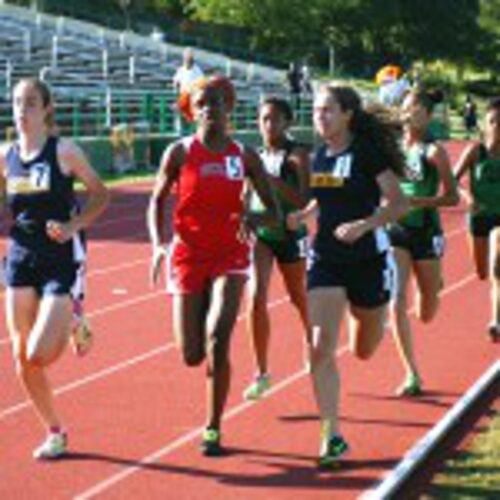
(234, 168)
(40, 177)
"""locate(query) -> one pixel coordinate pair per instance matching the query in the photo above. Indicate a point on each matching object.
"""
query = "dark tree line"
(363, 33)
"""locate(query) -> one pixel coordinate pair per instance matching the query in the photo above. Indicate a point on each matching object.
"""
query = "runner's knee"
(362, 351)
(193, 357)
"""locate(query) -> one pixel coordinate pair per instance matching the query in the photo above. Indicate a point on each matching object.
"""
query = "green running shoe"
(411, 387)
(334, 449)
(257, 388)
(210, 444)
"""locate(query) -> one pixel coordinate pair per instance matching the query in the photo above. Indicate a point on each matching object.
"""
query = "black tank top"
(346, 189)
(38, 191)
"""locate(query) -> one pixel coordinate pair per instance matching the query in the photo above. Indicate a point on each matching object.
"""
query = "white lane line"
(115, 368)
(273, 304)
(117, 220)
(181, 441)
(186, 438)
(118, 267)
(114, 307)
(390, 484)
(92, 378)
(127, 265)
(98, 245)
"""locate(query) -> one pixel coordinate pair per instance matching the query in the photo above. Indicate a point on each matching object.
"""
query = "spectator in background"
(184, 77)
(294, 78)
(187, 73)
(306, 79)
(392, 91)
(439, 127)
(470, 116)
(157, 35)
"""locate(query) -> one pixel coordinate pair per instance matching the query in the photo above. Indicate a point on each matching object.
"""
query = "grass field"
(475, 471)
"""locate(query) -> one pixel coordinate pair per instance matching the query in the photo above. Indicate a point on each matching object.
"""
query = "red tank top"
(210, 198)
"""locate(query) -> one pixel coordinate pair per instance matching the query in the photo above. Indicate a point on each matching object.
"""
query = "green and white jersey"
(421, 179)
(276, 165)
(485, 182)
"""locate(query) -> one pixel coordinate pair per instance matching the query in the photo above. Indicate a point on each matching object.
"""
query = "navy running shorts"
(421, 243)
(368, 283)
(481, 224)
(24, 268)
(289, 250)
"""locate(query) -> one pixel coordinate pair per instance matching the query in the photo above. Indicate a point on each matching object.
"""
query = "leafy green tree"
(489, 50)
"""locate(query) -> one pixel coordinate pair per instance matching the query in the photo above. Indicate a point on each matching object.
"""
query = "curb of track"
(395, 480)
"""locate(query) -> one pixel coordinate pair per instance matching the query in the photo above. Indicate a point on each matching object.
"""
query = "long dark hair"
(370, 125)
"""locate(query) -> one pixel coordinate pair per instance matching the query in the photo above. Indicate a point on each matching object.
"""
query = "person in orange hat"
(208, 258)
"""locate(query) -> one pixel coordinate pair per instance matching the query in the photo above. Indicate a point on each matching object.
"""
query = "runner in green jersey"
(482, 161)
(287, 165)
(417, 238)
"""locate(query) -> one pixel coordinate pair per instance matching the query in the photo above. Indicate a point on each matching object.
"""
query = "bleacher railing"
(97, 114)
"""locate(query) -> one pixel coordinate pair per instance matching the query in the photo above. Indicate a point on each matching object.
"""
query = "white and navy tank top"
(38, 191)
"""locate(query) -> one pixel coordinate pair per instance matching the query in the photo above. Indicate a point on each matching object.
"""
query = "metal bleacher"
(102, 78)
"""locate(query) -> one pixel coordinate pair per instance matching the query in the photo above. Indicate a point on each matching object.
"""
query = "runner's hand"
(246, 229)
(61, 232)
(293, 220)
(350, 232)
(159, 253)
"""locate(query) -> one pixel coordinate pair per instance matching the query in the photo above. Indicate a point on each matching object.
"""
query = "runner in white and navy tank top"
(37, 192)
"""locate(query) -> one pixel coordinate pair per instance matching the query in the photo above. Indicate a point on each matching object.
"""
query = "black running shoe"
(494, 332)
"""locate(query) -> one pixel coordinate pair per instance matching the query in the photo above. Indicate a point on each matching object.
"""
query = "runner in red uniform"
(207, 217)
(208, 257)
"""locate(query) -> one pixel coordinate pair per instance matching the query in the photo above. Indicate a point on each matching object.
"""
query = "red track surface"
(134, 412)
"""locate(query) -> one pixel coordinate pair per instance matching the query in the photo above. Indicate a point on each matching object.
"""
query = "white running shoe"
(81, 336)
(54, 446)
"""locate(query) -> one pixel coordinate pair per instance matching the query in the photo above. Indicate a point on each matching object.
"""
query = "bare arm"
(467, 160)
(448, 195)
(168, 173)
(3, 177)
(304, 216)
(393, 208)
(74, 162)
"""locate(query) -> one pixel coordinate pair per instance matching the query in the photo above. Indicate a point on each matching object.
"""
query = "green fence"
(109, 155)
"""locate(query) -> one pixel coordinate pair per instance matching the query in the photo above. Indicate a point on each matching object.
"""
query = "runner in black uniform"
(287, 165)
(417, 238)
(36, 173)
(482, 161)
(349, 265)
